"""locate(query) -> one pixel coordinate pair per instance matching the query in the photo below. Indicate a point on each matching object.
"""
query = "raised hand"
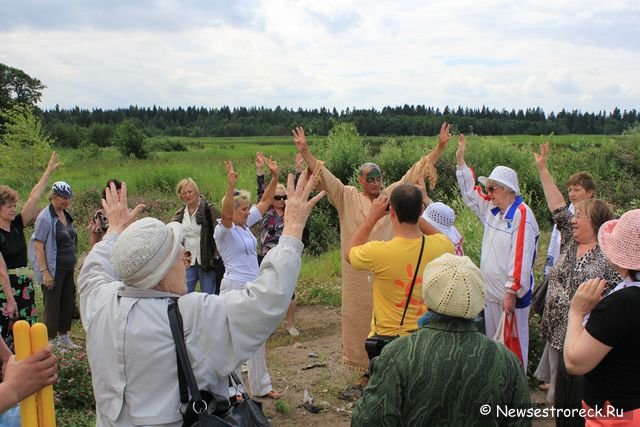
(298, 203)
(53, 162)
(379, 207)
(260, 160)
(587, 296)
(445, 134)
(117, 210)
(541, 159)
(299, 165)
(300, 140)
(273, 167)
(462, 146)
(232, 176)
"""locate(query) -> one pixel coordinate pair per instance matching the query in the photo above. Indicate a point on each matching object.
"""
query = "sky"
(571, 54)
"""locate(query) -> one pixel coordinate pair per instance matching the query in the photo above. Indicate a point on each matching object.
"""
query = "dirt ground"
(327, 380)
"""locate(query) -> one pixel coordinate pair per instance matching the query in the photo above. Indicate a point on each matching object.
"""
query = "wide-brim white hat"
(505, 176)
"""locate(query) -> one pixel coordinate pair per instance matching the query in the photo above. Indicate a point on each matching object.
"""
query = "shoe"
(293, 331)
(65, 341)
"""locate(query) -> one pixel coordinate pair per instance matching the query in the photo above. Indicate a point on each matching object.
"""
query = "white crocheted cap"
(619, 239)
(453, 285)
(145, 252)
(504, 176)
(440, 216)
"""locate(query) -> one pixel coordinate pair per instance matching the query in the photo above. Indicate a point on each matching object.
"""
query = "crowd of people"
(411, 300)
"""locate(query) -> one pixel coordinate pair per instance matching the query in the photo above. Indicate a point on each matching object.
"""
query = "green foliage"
(397, 156)
(282, 407)
(130, 141)
(17, 88)
(323, 228)
(343, 151)
(318, 291)
(100, 134)
(167, 145)
(74, 389)
(23, 146)
(67, 135)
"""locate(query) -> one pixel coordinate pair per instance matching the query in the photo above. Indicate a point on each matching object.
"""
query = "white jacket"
(131, 350)
(509, 244)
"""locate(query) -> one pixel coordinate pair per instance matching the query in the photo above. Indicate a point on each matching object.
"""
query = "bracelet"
(43, 270)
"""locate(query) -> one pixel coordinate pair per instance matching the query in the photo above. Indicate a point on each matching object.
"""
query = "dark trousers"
(58, 303)
(569, 392)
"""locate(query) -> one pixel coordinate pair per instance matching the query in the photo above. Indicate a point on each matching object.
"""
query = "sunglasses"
(186, 258)
(492, 188)
(373, 179)
(278, 198)
(236, 193)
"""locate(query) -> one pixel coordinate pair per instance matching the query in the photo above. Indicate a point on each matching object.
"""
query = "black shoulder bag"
(375, 343)
(206, 409)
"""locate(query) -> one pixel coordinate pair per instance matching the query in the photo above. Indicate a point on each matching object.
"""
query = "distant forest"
(77, 124)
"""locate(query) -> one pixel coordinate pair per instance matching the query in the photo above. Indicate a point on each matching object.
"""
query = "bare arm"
(443, 140)
(11, 309)
(582, 352)
(554, 197)
(227, 206)
(42, 262)
(377, 211)
(303, 148)
(30, 208)
(267, 197)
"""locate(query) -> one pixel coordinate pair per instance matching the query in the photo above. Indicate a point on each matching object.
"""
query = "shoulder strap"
(413, 282)
(185, 372)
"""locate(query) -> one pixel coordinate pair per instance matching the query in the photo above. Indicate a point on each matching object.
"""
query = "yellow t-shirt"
(393, 263)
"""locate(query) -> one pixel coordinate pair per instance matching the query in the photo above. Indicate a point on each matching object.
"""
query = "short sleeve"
(254, 216)
(363, 257)
(609, 320)
(41, 229)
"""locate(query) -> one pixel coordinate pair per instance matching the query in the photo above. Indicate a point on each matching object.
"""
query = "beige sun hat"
(619, 239)
(453, 285)
(145, 252)
(503, 175)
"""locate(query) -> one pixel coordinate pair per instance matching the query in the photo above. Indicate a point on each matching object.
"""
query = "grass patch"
(282, 407)
(319, 292)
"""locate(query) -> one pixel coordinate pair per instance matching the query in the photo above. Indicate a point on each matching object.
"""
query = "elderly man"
(352, 206)
(396, 264)
(509, 244)
(444, 373)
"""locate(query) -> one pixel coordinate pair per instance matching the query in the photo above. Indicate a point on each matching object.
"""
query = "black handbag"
(539, 296)
(207, 409)
(375, 343)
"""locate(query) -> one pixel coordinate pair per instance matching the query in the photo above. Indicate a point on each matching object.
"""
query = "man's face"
(371, 181)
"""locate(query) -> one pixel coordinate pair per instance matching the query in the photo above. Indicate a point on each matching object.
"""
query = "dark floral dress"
(565, 277)
(13, 247)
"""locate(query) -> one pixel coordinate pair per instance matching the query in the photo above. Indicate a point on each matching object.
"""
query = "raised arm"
(260, 184)
(30, 208)
(377, 211)
(554, 197)
(472, 194)
(303, 147)
(227, 206)
(267, 197)
(443, 140)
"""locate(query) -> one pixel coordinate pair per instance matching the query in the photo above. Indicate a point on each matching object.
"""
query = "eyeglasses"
(236, 193)
(373, 179)
(492, 188)
(186, 258)
(278, 197)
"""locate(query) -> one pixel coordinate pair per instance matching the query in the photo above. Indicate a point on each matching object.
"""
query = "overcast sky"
(573, 54)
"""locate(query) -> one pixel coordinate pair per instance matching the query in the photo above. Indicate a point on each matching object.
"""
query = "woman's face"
(279, 199)
(8, 211)
(500, 196)
(188, 193)
(240, 214)
(577, 193)
(583, 230)
(60, 203)
(175, 281)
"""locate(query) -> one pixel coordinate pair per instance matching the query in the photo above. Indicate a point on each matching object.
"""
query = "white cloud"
(570, 54)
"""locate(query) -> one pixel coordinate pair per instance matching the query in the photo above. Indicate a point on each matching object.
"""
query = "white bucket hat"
(453, 285)
(442, 218)
(503, 175)
(145, 251)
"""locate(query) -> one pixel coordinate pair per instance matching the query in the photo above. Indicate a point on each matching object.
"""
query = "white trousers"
(259, 379)
(492, 314)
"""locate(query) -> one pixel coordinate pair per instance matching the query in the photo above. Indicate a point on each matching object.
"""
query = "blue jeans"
(207, 279)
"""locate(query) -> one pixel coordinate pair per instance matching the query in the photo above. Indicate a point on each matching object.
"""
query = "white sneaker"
(65, 341)
(293, 331)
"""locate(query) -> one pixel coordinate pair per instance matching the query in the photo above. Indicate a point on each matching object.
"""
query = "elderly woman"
(17, 295)
(237, 246)
(605, 346)
(52, 251)
(580, 259)
(129, 343)
(198, 218)
(272, 223)
(509, 244)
